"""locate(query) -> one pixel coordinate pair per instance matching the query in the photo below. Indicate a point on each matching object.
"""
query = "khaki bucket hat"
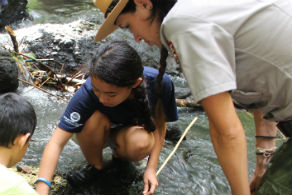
(108, 26)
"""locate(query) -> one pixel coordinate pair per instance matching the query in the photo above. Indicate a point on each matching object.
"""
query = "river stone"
(12, 12)
(71, 45)
(8, 72)
(58, 183)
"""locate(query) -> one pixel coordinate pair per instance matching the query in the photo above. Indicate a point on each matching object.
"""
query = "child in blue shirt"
(118, 106)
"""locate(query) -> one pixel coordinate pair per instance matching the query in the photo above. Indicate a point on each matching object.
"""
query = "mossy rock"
(31, 173)
(278, 178)
(8, 72)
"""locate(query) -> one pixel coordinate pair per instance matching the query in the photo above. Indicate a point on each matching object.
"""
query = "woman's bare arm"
(228, 139)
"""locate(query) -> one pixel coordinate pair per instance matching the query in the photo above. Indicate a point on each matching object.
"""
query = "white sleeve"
(206, 54)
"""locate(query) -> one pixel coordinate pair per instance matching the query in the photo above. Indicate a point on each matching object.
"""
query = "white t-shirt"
(243, 46)
(12, 183)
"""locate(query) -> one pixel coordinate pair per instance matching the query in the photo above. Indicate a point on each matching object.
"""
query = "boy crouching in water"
(17, 125)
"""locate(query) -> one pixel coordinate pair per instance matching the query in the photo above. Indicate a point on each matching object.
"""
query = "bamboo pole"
(177, 145)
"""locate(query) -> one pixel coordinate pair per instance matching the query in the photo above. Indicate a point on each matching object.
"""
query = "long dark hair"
(117, 63)
(159, 10)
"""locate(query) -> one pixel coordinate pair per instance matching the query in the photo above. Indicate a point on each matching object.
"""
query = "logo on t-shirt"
(75, 117)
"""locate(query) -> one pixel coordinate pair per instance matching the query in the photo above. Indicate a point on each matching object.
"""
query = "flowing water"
(194, 169)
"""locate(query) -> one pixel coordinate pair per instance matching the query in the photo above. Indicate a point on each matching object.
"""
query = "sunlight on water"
(61, 11)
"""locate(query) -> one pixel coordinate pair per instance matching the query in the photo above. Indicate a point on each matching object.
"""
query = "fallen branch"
(50, 59)
(186, 103)
(24, 71)
(38, 61)
(72, 80)
(78, 73)
(13, 38)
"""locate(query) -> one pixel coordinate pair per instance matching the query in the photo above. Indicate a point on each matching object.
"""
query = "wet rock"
(8, 72)
(277, 180)
(117, 177)
(173, 133)
(58, 184)
(23, 168)
(71, 45)
(12, 11)
(182, 93)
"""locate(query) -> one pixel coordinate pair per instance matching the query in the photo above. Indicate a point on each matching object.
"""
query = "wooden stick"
(75, 75)
(186, 103)
(13, 37)
(177, 145)
(36, 60)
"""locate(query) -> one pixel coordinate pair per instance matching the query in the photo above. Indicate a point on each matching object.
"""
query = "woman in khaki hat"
(227, 50)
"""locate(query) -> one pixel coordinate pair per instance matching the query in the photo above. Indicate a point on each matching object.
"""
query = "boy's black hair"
(17, 116)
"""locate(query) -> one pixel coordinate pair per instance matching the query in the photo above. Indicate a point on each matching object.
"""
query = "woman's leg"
(133, 143)
(93, 137)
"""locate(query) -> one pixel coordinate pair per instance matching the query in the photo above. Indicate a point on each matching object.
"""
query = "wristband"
(44, 180)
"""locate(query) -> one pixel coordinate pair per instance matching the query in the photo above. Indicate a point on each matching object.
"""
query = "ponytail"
(159, 108)
(142, 104)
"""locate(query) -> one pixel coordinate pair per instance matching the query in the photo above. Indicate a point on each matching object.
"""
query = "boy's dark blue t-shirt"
(84, 103)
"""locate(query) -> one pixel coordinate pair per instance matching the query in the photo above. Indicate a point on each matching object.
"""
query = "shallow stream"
(194, 169)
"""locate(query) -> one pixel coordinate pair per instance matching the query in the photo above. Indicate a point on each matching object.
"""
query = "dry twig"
(13, 38)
